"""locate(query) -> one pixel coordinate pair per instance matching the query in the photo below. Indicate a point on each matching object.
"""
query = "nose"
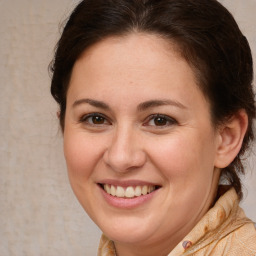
(125, 151)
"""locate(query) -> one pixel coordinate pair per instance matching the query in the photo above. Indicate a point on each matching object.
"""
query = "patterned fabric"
(106, 247)
(224, 230)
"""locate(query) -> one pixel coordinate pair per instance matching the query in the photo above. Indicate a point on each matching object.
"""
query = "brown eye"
(160, 121)
(98, 120)
(95, 119)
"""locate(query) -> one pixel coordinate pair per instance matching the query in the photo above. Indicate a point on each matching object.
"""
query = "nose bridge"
(124, 152)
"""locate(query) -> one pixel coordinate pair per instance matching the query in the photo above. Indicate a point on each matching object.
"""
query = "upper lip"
(127, 183)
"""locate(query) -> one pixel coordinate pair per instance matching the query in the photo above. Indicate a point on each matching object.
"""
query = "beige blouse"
(224, 230)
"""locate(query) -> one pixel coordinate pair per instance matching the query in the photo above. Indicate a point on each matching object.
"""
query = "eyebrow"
(157, 103)
(141, 107)
(95, 103)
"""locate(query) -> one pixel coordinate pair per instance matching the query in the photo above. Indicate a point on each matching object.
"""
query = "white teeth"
(113, 190)
(107, 188)
(138, 191)
(144, 190)
(128, 192)
(120, 191)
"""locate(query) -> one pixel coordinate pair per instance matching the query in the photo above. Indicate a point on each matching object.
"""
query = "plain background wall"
(39, 214)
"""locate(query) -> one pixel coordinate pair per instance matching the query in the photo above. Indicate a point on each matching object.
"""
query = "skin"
(181, 155)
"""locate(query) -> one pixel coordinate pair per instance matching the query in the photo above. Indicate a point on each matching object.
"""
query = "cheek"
(186, 164)
(185, 157)
(81, 154)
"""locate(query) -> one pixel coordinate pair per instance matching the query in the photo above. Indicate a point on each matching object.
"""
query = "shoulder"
(243, 240)
(237, 242)
(224, 230)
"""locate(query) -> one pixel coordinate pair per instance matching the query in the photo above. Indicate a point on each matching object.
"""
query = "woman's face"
(138, 127)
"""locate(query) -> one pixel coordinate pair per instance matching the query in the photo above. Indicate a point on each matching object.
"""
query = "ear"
(231, 135)
(58, 114)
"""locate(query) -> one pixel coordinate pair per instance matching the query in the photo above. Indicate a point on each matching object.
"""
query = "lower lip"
(127, 203)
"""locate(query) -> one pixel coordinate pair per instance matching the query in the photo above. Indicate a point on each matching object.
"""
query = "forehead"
(141, 63)
(136, 50)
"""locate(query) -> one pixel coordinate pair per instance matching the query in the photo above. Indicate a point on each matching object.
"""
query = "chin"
(128, 231)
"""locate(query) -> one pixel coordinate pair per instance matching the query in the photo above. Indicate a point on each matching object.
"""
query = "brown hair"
(206, 35)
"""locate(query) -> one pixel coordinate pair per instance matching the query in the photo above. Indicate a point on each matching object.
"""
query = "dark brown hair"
(206, 35)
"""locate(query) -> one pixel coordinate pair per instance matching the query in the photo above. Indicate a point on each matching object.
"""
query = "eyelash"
(168, 120)
(84, 119)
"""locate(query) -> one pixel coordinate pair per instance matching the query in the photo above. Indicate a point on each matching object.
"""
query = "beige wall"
(39, 214)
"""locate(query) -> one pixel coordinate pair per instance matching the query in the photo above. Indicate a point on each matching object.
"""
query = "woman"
(156, 107)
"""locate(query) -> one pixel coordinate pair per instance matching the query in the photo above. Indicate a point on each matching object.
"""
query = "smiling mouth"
(128, 192)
